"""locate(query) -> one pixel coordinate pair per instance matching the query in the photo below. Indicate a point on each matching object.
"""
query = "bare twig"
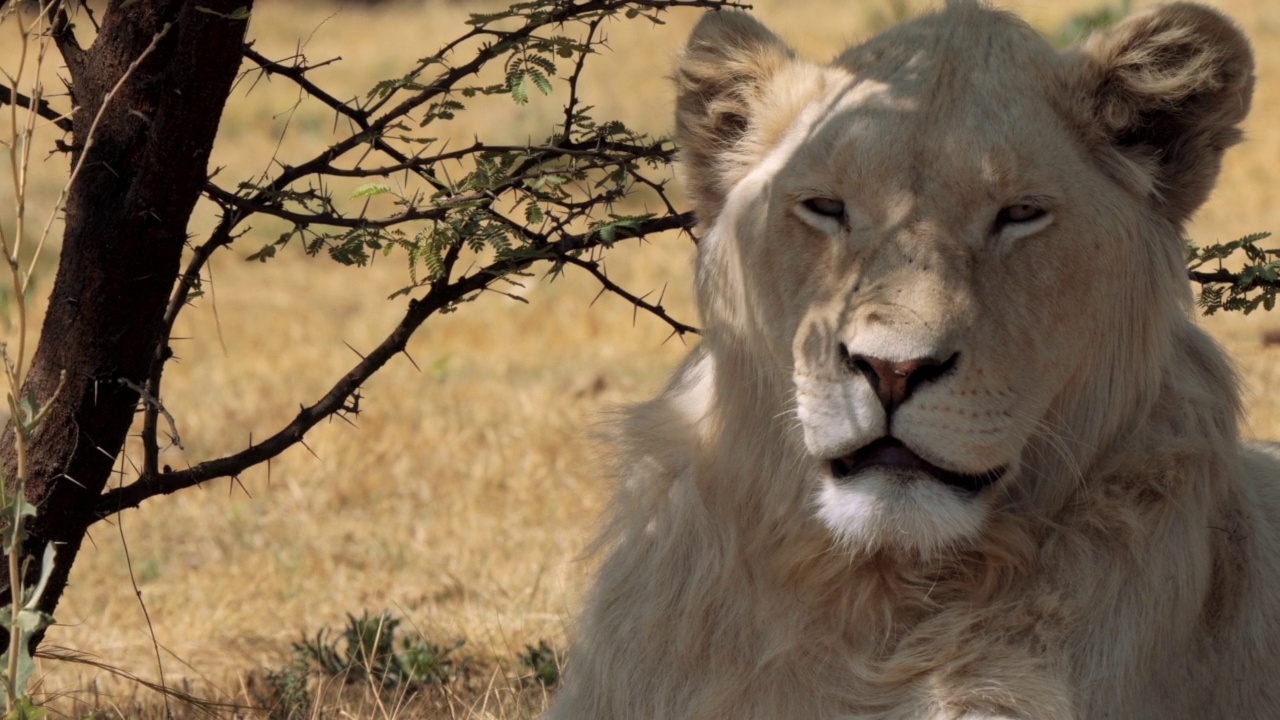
(571, 106)
(656, 309)
(41, 107)
(298, 74)
(153, 402)
(1228, 277)
(69, 655)
(146, 614)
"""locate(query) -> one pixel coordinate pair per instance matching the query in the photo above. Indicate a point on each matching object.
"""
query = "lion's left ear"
(1168, 89)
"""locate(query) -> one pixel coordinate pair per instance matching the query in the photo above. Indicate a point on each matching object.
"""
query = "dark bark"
(126, 224)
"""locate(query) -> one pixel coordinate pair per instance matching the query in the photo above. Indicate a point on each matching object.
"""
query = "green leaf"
(29, 622)
(26, 709)
(369, 190)
(486, 18)
(267, 252)
(33, 594)
(540, 81)
(386, 87)
(519, 92)
(33, 621)
(1246, 277)
(30, 407)
(240, 13)
(533, 214)
(552, 180)
(546, 64)
(26, 666)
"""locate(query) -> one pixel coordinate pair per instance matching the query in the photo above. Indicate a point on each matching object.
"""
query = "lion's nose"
(894, 381)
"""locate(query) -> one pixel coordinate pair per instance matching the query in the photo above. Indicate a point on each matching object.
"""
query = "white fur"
(892, 508)
(1125, 565)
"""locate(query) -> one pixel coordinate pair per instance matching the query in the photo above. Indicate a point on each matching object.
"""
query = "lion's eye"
(1019, 213)
(826, 207)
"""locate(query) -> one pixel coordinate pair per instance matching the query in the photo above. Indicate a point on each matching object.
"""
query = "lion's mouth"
(891, 452)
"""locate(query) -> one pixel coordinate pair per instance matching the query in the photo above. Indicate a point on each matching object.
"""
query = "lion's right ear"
(722, 79)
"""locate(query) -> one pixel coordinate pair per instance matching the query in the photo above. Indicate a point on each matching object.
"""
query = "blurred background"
(463, 501)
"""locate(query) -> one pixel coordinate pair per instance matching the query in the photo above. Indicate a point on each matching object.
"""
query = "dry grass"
(466, 496)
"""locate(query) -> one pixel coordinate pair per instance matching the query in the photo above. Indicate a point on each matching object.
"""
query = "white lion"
(953, 446)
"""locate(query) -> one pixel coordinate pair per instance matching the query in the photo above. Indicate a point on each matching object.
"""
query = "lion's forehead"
(978, 111)
(991, 135)
(956, 50)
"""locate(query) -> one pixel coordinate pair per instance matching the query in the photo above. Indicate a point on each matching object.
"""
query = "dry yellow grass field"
(464, 500)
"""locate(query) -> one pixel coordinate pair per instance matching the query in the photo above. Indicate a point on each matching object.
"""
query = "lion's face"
(945, 249)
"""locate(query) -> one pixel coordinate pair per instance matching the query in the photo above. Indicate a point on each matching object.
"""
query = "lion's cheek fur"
(751, 274)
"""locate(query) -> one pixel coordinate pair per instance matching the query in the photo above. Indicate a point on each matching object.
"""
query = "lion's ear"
(1169, 88)
(722, 78)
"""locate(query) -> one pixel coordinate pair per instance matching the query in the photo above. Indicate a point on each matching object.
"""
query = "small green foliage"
(617, 227)
(288, 695)
(535, 67)
(367, 650)
(543, 662)
(441, 110)
(500, 207)
(353, 246)
(422, 661)
(14, 509)
(515, 81)
(28, 417)
(26, 709)
(387, 87)
(240, 13)
(266, 253)
(1255, 285)
(371, 649)
(369, 190)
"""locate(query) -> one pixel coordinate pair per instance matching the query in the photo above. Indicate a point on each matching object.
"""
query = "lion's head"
(955, 253)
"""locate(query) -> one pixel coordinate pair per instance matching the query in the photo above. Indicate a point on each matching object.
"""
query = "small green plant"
(424, 661)
(287, 696)
(1254, 285)
(544, 664)
(371, 650)
(367, 650)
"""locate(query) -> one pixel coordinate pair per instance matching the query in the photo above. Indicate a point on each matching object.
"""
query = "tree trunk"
(126, 225)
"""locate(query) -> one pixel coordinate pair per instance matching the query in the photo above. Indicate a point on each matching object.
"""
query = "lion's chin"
(899, 508)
